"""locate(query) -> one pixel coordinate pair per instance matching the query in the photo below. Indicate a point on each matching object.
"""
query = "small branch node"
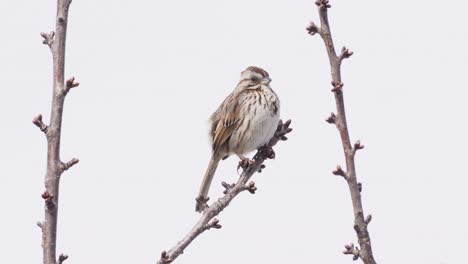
(352, 250)
(331, 119)
(38, 122)
(165, 259)
(40, 224)
(48, 38)
(202, 203)
(359, 186)
(251, 187)
(71, 84)
(345, 53)
(368, 219)
(358, 146)
(337, 86)
(62, 258)
(322, 4)
(48, 198)
(263, 166)
(313, 29)
(227, 186)
(69, 164)
(213, 224)
(339, 172)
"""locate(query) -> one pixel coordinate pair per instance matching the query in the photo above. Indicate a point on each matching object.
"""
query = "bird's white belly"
(259, 129)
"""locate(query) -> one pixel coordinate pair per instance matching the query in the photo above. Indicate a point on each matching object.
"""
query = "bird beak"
(266, 80)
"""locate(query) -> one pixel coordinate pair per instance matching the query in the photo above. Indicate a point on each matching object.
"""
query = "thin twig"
(360, 224)
(207, 219)
(55, 167)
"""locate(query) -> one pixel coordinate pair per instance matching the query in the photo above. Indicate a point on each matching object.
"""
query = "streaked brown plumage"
(245, 121)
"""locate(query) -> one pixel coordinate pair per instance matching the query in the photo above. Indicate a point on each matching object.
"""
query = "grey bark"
(360, 223)
(55, 167)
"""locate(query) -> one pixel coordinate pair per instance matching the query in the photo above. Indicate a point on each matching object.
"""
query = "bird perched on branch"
(245, 121)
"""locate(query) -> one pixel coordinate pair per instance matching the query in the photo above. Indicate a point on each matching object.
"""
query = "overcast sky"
(152, 72)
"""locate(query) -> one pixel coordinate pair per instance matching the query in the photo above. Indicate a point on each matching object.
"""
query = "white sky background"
(152, 72)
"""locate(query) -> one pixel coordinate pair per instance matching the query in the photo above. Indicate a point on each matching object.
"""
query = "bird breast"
(260, 112)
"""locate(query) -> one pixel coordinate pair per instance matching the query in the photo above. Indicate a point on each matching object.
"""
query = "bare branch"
(56, 42)
(207, 220)
(360, 224)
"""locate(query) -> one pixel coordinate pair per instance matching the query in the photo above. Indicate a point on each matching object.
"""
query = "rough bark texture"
(207, 220)
(360, 223)
(55, 167)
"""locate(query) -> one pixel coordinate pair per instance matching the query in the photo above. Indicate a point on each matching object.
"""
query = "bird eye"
(254, 79)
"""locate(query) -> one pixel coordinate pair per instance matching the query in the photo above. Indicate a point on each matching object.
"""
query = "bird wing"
(227, 121)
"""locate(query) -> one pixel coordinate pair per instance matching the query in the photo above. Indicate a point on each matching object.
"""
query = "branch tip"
(261, 168)
(213, 224)
(358, 146)
(165, 259)
(62, 258)
(251, 187)
(322, 4)
(312, 29)
(345, 53)
(48, 38)
(71, 84)
(38, 122)
(69, 164)
(40, 224)
(227, 186)
(331, 119)
(339, 171)
(368, 219)
(352, 250)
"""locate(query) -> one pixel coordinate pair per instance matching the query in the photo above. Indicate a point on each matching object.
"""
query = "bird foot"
(244, 163)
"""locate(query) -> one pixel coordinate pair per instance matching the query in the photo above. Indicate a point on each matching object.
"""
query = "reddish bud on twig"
(352, 250)
(165, 259)
(48, 38)
(331, 119)
(358, 145)
(339, 171)
(322, 4)
(62, 258)
(251, 187)
(227, 186)
(368, 219)
(312, 29)
(48, 198)
(261, 168)
(71, 84)
(38, 122)
(337, 86)
(345, 53)
(213, 224)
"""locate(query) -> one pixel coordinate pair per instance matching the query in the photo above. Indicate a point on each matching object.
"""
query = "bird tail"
(205, 186)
